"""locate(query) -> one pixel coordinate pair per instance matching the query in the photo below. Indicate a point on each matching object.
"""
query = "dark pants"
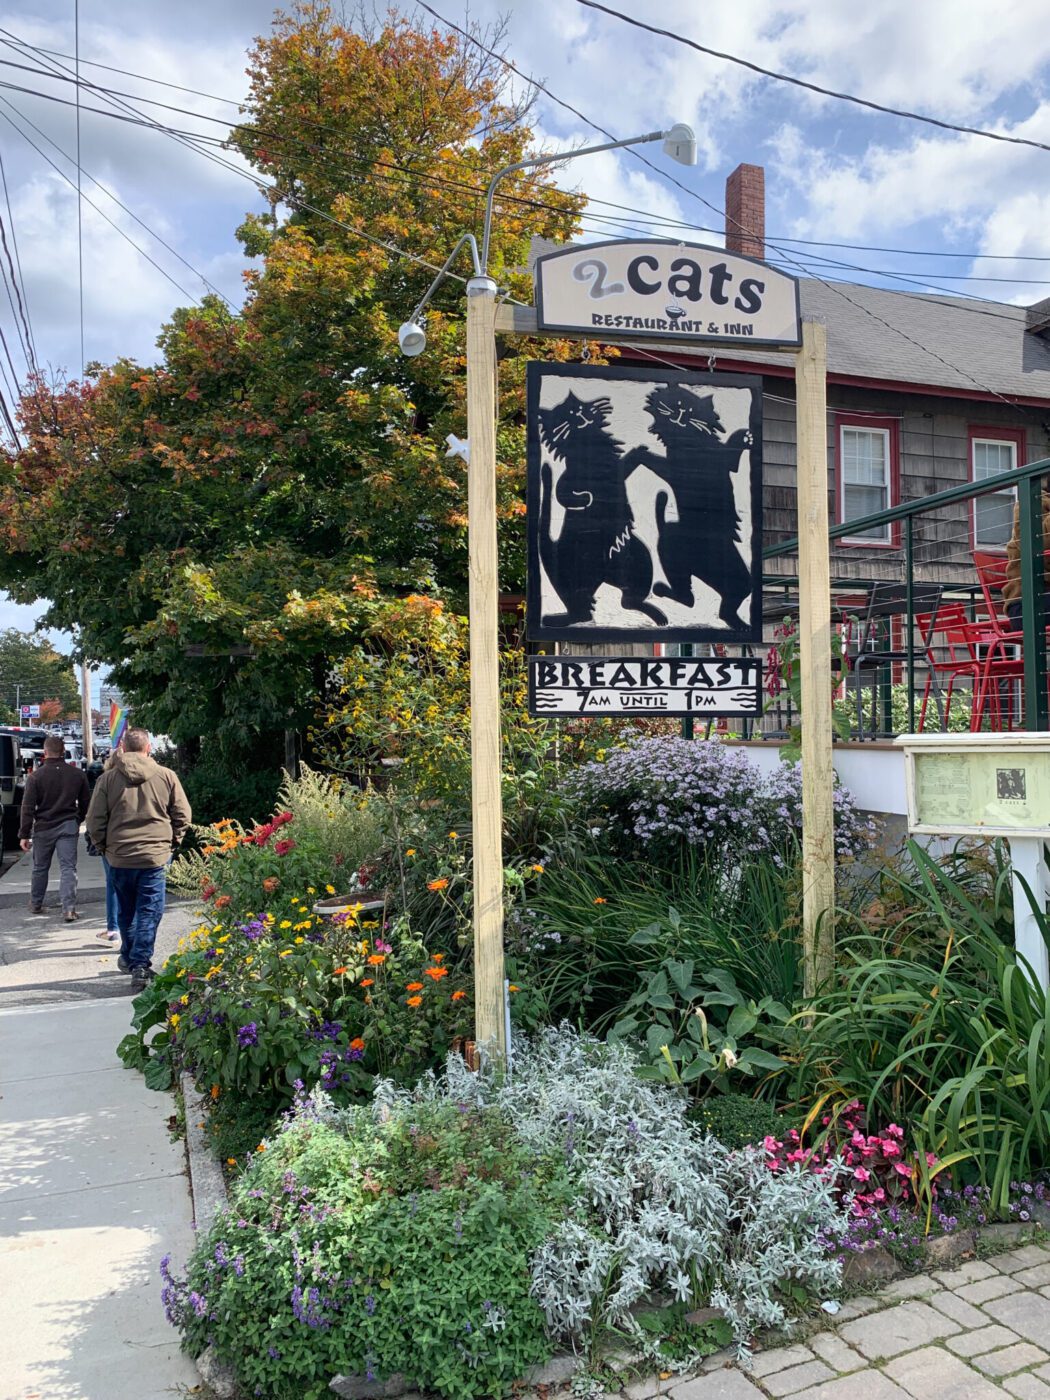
(61, 840)
(1013, 611)
(111, 898)
(140, 905)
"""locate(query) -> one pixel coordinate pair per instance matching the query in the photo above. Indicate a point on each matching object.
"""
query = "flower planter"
(363, 902)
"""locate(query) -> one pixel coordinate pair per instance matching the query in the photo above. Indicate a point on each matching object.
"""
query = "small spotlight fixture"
(412, 338)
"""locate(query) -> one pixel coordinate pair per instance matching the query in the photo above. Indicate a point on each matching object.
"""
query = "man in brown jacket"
(138, 816)
(54, 804)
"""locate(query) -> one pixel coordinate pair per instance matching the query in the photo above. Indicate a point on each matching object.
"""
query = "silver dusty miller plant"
(660, 1208)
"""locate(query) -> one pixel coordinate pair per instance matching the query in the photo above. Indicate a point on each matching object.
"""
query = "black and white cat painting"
(644, 504)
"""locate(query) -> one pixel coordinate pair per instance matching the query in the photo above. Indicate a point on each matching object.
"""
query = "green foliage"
(574, 940)
(220, 784)
(41, 674)
(408, 1250)
(322, 830)
(787, 672)
(693, 1025)
(951, 1035)
(737, 1120)
(254, 1008)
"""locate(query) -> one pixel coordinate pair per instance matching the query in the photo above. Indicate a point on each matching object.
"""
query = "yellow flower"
(184, 1001)
(231, 1161)
(453, 836)
(310, 889)
(285, 953)
(174, 1019)
(285, 923)
(300, 939)
(248, 959)
(411, 851)
(537, 869)
(329, 889)
(225, 938)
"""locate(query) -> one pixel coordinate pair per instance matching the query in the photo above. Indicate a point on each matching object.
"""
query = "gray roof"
(924, 338)
(920, 338)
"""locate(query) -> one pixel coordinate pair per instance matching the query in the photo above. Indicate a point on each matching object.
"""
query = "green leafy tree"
(32, 672)
(221, 527)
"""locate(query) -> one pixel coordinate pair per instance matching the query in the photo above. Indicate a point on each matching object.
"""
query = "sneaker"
(122, 963)
(109, 935)
(141, 978)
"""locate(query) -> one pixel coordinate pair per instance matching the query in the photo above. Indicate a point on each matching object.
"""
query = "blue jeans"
(111, 898)
(140, 905)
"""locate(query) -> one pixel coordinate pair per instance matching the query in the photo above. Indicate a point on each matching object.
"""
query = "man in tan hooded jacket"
(137, 818)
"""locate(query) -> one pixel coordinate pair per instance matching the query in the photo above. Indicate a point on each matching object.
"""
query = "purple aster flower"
(247, 1035)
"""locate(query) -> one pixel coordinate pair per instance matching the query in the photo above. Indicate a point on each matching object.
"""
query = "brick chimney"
(746, 211)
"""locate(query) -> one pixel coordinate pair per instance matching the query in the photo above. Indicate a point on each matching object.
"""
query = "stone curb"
(208, 1194)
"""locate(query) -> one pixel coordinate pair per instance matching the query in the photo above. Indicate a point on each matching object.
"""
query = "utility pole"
(85, 712)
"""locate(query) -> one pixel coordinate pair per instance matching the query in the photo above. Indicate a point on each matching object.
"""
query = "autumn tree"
(32, 672)
(222, 526)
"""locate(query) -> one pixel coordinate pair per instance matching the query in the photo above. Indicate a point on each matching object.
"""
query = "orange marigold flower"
(437, 957)
(215, 1091)
(599, 900)
(357, 1043)
(261, 1147)
(413, 986)
(458, 996)
(436, 972)
(223, 901)
(414, 1001)
(367, 982)
(536, 869)
(437, 885)
(377, 959)
(512, 988)
(338, 971)
(270, 883)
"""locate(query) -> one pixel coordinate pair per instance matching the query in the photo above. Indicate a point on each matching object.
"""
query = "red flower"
(283, 847)
(281, 819)
(208, 891)
(262, 834)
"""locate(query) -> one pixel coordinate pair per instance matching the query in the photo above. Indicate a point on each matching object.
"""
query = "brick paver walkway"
(976, 1332)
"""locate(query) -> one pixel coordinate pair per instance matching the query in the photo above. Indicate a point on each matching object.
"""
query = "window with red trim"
(992, 452)
(867, 475)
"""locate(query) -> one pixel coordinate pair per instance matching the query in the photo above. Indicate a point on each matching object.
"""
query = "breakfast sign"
(654, 289)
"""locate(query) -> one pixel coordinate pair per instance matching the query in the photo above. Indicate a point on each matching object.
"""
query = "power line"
(15, 267)
(321, 126)
(815, 87)
(120, 205)
(80, 197)
(69, 181)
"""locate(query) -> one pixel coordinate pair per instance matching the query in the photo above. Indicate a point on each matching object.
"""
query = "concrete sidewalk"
(93, 1192)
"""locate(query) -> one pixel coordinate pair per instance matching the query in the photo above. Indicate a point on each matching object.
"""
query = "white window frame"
(876, 541)
(986, 440)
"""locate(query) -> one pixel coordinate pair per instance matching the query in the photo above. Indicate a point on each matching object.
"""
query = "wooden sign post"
(814, 591)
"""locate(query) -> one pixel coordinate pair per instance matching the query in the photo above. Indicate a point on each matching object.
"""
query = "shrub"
(391, 1243)
(670, 793)
(948, 1037)
(253, 1008)
(739, 1121)
(322, 832)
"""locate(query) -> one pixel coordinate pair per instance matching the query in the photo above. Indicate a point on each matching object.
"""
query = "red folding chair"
(948, 630)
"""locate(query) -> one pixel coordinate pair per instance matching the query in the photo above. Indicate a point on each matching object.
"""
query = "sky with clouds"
(834, 172)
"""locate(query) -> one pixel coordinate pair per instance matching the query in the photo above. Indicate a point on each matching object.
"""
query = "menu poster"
(1008, 791)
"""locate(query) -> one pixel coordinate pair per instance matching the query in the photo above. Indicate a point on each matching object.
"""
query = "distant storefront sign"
(609, 686)
(658, 290)
(30, 711)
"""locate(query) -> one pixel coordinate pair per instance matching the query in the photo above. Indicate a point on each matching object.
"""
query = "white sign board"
(990, 785)
(30, 711)
(711, 686)
(658, 290)
(978, 784)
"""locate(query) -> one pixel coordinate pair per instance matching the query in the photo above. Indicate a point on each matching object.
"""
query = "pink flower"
(382, 947)
(931, 1157)
(861, 1174)
(894, 1131)
(902, 1169)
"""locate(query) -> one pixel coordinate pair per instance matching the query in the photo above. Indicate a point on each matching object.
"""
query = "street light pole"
(490, 988)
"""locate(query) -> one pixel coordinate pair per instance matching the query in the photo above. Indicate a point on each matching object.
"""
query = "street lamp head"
(680, 144)
(412, 338)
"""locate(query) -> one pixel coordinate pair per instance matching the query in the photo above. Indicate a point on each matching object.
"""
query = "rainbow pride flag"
(118, 723)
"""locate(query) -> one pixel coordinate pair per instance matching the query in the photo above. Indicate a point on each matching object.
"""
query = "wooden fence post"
(814, 573)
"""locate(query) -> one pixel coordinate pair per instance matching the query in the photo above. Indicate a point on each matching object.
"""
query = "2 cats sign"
(644, 505)
(657, 290)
